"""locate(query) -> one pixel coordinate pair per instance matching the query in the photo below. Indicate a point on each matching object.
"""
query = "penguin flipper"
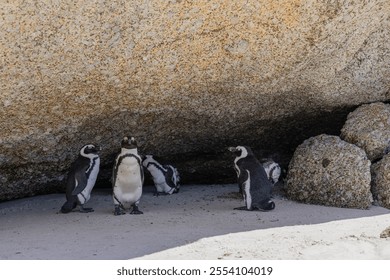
(169, 176)
(80, 182)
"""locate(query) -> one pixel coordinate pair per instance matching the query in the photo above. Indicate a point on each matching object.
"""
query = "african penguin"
(127, 178)
(81, 179)
(166, 178)
(273, 170)
(252, 180)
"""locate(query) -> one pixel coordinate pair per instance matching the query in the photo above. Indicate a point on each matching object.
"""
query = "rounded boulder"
(368, 127)
(381, 181)
(326, 170)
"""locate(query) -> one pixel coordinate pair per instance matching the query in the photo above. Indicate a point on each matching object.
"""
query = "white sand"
(347, 239)
(197, 223)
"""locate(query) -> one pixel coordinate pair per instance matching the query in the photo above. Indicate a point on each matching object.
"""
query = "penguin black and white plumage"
(81, 179)
(272, 169)
(166, 178)
(252, 180)
(127, 178)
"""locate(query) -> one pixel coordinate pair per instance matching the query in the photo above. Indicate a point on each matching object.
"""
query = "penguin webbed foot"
(267, 208)
(118, 211)
(86, 210)
(136, 211)
(242, 208)
(156, 193)
(68, 207)
(65, 210)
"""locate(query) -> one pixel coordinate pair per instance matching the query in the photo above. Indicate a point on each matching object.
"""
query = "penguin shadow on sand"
(254, 184)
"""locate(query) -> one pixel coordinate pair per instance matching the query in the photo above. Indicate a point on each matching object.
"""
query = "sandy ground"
(197, 223)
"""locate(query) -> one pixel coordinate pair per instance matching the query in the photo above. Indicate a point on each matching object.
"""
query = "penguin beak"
(232, 149)
(133, 141)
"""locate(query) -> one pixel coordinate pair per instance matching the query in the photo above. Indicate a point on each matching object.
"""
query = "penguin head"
(129, 143)
(240, 151)
(89, 150)
(147, 159)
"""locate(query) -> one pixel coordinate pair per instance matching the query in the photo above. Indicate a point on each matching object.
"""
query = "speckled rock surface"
(326, 170)
(369, 128)
(187, 78)
(381, 181)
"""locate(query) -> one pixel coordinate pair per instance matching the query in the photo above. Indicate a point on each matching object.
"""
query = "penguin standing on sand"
(166, 178)
(252, 180)
(81, 179)
(127, 178)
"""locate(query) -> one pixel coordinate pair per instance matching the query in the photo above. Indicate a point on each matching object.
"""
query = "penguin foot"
(68, 207)
(242, 208)
(86, 210)
(160, 193)
(65, 210)
(136, 211)
(118, 211)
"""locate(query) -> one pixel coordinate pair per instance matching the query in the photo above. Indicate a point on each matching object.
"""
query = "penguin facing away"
(252, 180)
(81, 179)
(166, 178)
(127, 178)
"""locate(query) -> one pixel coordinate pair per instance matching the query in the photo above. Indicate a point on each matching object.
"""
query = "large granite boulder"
(381, 181)
(326, 170)
(187, 78)
(369, 128)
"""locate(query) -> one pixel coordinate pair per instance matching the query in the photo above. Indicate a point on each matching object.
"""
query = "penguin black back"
(252, 180)
(81, 179)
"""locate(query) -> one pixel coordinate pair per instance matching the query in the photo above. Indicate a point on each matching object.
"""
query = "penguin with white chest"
(127, 178)
(166, 178)
(81, 179)
(252, 180)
